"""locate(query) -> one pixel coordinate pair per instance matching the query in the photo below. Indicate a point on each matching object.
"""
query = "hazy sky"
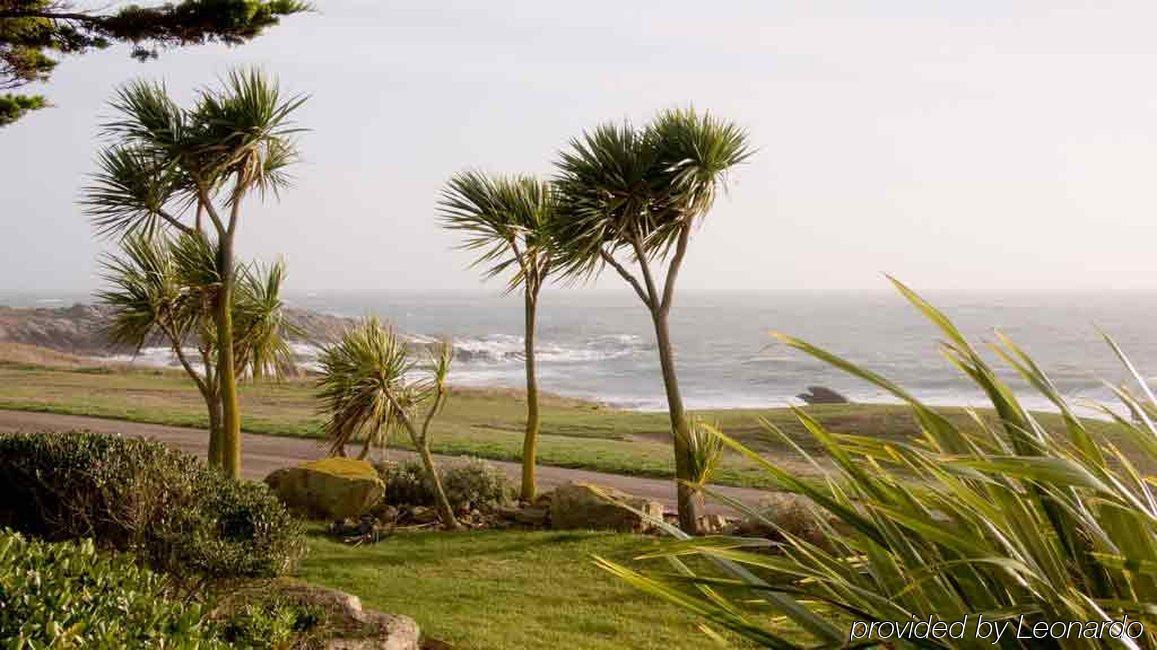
(965, 145)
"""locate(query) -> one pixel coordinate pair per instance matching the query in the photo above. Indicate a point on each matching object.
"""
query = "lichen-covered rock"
(577, 506)
(330, 488)
(344, 623)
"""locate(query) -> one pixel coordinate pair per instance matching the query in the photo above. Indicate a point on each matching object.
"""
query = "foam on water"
(602, 346)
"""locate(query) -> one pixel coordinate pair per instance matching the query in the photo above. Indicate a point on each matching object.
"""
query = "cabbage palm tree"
(631, 197)
(507, 220)
(367, 389)
(161, 291)
(190, 170)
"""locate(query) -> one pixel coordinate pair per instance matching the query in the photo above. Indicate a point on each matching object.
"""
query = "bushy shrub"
(471, 484)
(144, 497)
(477, 484)
(405, 483)
(69, 595)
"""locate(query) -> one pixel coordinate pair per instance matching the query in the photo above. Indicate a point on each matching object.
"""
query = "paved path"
(262, 454)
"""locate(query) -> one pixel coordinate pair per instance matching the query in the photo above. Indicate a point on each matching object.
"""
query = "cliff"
(80, 329)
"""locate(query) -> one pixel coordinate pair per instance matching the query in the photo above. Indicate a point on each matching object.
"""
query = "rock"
(713, 524)
(822, 395)
(794, 514)
(532, 516)
(330, 488)
(578, 506)
(388, 514)
(345, 624)
(423, 515)
(356, 628)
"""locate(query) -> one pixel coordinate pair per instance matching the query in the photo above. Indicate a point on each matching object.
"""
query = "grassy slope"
(486, 423)
(506, 589)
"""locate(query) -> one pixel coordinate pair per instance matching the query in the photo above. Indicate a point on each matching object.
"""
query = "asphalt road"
(261, 454)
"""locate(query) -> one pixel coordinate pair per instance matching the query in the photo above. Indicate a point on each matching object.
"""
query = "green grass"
(505, 589)
(484, 423)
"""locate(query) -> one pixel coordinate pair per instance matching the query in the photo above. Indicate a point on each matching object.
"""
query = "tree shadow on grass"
(436, 547)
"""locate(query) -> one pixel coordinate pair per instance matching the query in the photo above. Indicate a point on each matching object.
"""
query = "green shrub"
(271, 623)
(406, 483)
(1008, 519)
(474, 483)
(146, 498)
(69, 595)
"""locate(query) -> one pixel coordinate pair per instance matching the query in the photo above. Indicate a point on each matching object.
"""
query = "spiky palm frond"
(144, 292)
(244, 131)
(608, 194)
(622, 186)
(506, 219)
(704, 450)
(146, 115)
(259, 323)
(363, 384)
(130, 191)
(168, 160)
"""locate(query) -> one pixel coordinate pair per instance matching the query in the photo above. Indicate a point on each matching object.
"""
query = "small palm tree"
(507, 219)
(190, 170)
(632, 195)
(366, 389)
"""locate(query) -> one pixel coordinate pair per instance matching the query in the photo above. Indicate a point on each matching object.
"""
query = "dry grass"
(31, 355)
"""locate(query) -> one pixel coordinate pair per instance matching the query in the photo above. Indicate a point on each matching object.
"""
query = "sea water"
(601, 345)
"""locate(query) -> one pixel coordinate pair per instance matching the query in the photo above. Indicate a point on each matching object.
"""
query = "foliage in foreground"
(1007, 520)
(143, 497)
(30, 30)
(69, 595)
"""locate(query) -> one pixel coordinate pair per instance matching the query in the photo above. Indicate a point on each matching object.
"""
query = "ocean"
(600, 346)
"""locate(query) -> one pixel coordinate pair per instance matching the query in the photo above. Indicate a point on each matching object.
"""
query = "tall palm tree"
(632, 196)
(367, 389)
(191, 170)
(507, 219)
(159, 290)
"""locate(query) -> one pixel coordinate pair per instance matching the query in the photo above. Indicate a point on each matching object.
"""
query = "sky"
(975, 146)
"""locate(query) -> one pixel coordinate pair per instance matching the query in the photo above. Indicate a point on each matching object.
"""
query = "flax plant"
(1005, 519)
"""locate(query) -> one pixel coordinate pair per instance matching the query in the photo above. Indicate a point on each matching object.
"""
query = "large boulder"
(330, 488)
(575, 506)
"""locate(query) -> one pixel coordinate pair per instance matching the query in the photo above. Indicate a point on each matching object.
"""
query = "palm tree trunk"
(530, 441)
(226, 374)
(445, 511)
(213, 403)
(688, 506)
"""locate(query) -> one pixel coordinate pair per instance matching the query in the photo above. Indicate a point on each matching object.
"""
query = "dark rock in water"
(822, 395)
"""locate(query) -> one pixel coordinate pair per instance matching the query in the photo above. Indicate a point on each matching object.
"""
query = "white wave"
(507, 348)
(156, 357)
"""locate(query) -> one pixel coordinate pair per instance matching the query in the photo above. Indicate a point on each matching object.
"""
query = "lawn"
(506, 589)
(484, 423)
